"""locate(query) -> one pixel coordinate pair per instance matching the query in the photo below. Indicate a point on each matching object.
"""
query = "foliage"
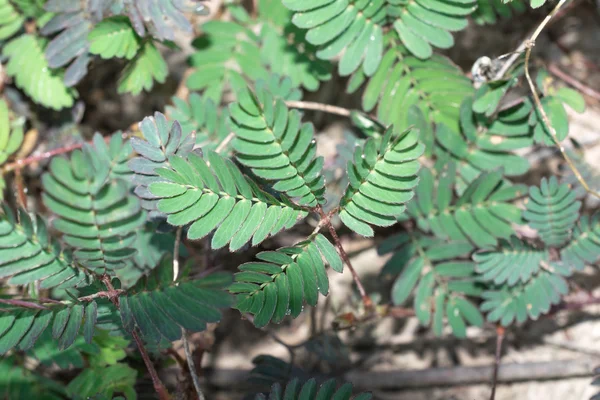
(105, 253)
(310, 390)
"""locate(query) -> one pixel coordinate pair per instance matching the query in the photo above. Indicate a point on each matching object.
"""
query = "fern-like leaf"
(552, 209)
(19, 382)
(33, 75)
(285, 50)
(202, 116)
(96, 213)
(522, 301)
(11, 20)
(28, 254)
(441, 277)
(21, 327)
(382, 179)
(220, 197)
(105, 382)
(436, 86)
(357, 28)
(512, 263)
(281, 281)
(114, 37)
(488, 11)
(272, 142)
(162, 141)
(482, 214)
(294, 390)
(484, 147)
(160, 308)
(584, 246)
(143, 70)
(228, 55)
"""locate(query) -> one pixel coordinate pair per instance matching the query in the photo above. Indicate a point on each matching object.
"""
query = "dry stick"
(588, 91)
(538, 104)
(184, 338)
(309, 105)
(499, 339)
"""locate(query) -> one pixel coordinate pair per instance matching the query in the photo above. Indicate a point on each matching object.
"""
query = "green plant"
(105, 253)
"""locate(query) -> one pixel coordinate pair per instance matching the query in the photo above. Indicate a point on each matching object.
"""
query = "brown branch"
(23, 304)
(586, 90)
(19, 164)
(368, 303)
(538, 103)
(309, 105)
(158, 385)
(499, 339)
(107, 294)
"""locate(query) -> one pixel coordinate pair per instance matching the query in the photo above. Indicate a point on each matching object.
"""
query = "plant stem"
(225, 142)
(499, 339)
(113, 296)
(538, 104)
(19, 164)
(184, 338)
(158, 385)
(309, 105)
(191, 365)
(368, 303)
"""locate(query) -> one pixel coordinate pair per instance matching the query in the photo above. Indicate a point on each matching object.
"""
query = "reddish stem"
(499, 339)
(23, 303)
(158, 385)
(338, 244)
(19, 164)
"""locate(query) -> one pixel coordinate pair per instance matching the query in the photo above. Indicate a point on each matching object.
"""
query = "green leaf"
(511, 263)
(107, 381)
(381, 182)
(114, 37)
(160, 308)
(143, 70)
(552, 210)
(482, 214)
(309, 391)
(95, 211)
(26, 60)
(403, 83)
(584, 246)
(272, 142)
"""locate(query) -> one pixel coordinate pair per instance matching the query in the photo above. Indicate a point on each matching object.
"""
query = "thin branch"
(225, 142)
(523, 46)
(191, 365)
(158, 385)
(23, 162)
(104, 294)
(588, 91)
(368, 303)
(538, 103)
(176, 253)
(19, 164)
(309, 105)
(499, 339)
(184, 337)
(23, 304)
